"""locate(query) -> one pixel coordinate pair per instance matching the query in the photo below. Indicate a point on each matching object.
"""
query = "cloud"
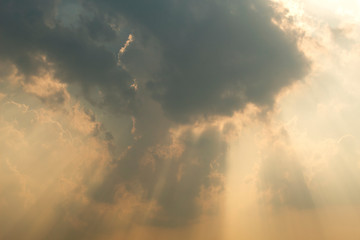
(175, 174)
(325, 176)
(215, 57)
(193, 61)
(74, 54)
(283, 182)
(335, 176)
(48, 161)
(48, 90)
(282, 178)
(186, 175)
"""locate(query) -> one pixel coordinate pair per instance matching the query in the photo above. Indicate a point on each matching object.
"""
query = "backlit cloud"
(178, 119)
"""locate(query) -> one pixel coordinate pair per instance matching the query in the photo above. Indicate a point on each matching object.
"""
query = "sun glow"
(314, 119)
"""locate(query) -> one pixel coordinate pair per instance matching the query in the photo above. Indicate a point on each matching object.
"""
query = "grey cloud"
(55, 99)
(215, 56)
(180, 177)
(201, 157)
(76, 57)
(195, 58)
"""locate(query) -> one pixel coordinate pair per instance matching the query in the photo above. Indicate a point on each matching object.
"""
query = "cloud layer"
(128, 106)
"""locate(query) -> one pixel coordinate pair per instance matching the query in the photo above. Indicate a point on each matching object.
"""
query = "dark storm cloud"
(196, 58)
(216, 56)
(28, 30)
(211, 58)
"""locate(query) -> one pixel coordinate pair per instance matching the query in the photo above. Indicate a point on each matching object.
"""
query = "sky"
(179, 119)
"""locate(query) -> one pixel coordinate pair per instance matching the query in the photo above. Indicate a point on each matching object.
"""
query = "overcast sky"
(179, 119)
